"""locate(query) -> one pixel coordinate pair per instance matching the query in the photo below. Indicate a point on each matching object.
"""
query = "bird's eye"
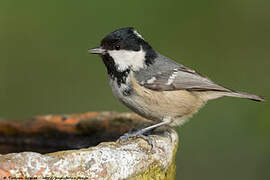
(117, 47)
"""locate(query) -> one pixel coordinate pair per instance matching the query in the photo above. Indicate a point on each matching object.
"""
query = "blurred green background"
(45, 69)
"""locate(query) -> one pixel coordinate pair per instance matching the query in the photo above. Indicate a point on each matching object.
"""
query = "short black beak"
(97, 50)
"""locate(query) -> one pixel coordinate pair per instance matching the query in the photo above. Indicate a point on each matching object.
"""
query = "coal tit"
(153, 85)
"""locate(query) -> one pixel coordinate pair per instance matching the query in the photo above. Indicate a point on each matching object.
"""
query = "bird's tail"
(245, 95)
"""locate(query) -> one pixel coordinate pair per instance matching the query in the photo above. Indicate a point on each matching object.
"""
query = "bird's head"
(125, 49)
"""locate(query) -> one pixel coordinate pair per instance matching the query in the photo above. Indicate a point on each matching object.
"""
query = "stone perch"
(84, 146)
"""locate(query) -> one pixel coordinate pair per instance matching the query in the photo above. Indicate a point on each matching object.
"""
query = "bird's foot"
(137, 133)
(143, 133)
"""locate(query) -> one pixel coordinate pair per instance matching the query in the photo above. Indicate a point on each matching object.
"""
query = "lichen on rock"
(134, 159)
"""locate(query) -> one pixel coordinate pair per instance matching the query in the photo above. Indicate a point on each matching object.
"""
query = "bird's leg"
(141, 133)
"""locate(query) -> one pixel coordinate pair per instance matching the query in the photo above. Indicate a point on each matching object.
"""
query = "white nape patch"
(152, 80)
(128, 58)
(137, 34)
(172, 77)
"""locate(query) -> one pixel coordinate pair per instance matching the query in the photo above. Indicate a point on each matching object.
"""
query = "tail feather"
(245, 95)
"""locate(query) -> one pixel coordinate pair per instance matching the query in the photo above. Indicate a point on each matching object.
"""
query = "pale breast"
(159, 105)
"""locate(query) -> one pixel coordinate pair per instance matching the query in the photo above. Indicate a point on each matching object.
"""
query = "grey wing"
(172, 76)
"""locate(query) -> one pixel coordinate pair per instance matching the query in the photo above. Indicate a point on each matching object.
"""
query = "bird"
(154, 86)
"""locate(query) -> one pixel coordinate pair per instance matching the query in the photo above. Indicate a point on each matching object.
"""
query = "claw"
(139, 134)
(148, 139)
(143, 133)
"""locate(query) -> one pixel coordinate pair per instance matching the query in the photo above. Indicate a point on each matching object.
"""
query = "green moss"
(155, 172)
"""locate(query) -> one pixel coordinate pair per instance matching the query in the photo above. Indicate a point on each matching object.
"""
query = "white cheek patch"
(128, 58)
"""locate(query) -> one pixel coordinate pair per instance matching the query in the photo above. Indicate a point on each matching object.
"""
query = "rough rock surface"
(134, 159)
